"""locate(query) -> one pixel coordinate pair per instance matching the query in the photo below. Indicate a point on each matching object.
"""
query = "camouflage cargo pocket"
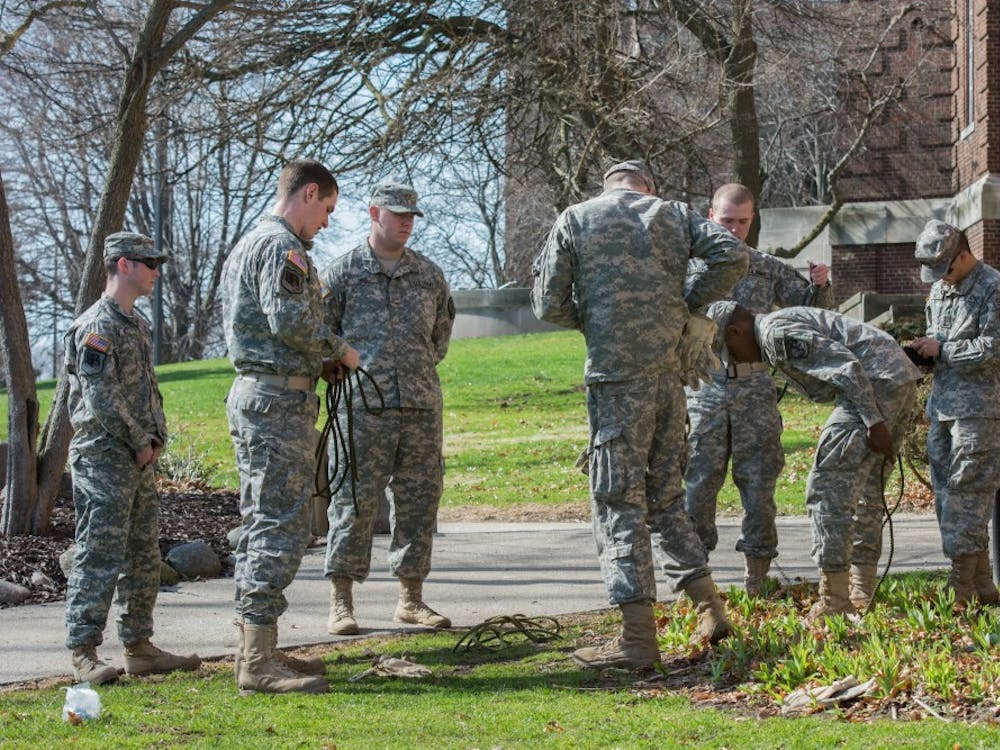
(607, 465)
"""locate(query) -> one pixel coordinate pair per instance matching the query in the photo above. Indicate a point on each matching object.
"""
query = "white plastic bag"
(82, 704)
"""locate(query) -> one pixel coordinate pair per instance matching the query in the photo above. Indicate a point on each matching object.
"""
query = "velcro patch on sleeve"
(293, 275)
(295, 258)
(792, 346)
(97, 342)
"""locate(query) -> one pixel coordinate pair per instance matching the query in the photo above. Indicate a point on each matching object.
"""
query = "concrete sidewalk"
(480, 570)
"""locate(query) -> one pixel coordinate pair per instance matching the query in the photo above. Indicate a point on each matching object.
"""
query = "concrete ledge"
(495, 312)
(869, 306)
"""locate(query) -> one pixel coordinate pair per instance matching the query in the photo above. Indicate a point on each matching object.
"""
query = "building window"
(970, 67)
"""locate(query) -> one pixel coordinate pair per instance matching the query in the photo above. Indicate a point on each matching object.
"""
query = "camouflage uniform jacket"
(272, 305)
(614, 268)
(825, 355)
(771, 284)
(113, 391)
(400, 323)
(965, 318)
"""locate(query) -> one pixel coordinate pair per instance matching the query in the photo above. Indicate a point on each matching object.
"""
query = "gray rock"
(233, 537)
(168, 576)
(41, 581)
(13, 593)
(194, 560)
(66, 560)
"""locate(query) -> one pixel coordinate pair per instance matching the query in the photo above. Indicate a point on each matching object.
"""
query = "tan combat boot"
(834, 595)
(861, 588)
(962, 578)
(635, 648)
(262, 672)
(986, 590)
(713, 625)
(412, 609)
(341, 620)
(755, 574)
(142, 657)
(314, 665)
(88, 668)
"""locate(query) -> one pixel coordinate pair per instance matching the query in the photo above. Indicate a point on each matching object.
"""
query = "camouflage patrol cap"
(937, 246)
(132, 245)
(397, 197)
(632, 165)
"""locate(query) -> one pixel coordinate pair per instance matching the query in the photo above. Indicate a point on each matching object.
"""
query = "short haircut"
(111, 265)
(735, 193)
(297, 174)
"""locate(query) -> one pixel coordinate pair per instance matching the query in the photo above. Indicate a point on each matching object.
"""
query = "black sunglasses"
(151, 263)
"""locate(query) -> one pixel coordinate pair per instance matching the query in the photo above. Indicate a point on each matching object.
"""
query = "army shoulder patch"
(95, 353)
(97, 342)
(293, 275)
(794, 346)
(295, 258)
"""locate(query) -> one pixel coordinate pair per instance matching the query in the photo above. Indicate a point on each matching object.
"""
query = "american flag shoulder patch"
(97, 342)
(298, 261)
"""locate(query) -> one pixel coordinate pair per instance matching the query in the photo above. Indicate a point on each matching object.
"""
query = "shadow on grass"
(195, 372)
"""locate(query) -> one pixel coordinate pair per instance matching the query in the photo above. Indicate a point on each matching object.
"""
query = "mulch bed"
(187, 513)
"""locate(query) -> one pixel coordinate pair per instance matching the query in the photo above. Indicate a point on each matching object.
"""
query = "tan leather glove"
(697, 360)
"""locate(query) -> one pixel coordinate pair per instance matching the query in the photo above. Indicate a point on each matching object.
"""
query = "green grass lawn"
(526, 696)
(514, 421)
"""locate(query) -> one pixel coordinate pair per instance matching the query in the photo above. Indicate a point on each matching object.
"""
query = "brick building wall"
(909, 152)
(977, 142)
(984, 239)
(889, 269)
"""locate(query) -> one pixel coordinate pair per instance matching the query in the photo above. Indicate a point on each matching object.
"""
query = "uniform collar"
(372, 264)
(307, 244)
(964, 286)
(136, 316)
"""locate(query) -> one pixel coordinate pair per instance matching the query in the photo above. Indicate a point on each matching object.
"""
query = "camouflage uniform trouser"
(117, 546)
(845, 487)
(736, 418)
(637, 454)
(965, 471)
(274, 435)
(399, 451)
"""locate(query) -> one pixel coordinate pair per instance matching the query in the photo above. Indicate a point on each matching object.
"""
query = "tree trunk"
(20, 492)
(741, 98)
(130, 131)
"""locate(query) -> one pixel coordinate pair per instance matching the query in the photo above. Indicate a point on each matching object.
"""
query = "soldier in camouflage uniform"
(736, 415)
(830, 357)
(393, 304)
(119, 432)
(279, 345)
(963, 442)
(613, 267)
